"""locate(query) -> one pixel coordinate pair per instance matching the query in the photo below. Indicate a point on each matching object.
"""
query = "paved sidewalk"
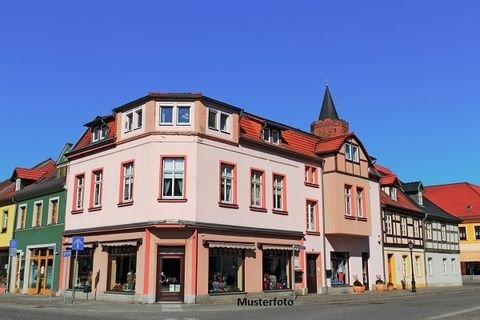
(112, 307)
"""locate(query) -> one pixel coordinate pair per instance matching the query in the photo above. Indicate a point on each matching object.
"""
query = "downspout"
(425, 249)
(323, 233)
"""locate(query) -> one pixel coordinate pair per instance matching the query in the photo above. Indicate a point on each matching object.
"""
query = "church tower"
(328, 123)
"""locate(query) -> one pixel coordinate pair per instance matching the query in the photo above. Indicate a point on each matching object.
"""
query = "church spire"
(328, 110)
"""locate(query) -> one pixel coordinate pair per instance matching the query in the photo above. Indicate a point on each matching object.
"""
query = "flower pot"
(3, 289)
(381, 287)
(358, 289)
(390, 288)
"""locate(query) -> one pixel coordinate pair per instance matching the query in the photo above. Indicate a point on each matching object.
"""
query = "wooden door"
(312, 273)
(170, 278)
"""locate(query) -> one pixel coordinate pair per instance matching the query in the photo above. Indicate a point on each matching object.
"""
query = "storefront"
(3, 267)
(40, 264)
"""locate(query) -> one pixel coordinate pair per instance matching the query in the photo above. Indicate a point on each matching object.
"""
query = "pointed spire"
(328, 107)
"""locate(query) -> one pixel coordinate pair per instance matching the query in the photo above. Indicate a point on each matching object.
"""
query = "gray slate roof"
(328, 107)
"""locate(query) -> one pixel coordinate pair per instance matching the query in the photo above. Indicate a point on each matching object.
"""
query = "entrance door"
(365, 270)
(40, 271)
(390, 268)
(170, 275)
(312, 273)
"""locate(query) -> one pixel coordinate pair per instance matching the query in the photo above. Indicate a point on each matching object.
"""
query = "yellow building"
(7, 219)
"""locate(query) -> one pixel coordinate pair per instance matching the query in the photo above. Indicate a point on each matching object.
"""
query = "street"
(462, 303)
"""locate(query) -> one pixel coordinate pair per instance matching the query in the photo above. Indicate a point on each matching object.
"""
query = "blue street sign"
(67, 253)
(77, 243)
(14, 244)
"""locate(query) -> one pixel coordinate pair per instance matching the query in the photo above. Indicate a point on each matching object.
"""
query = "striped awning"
(119, 243)
(277, 247)
(231, 245)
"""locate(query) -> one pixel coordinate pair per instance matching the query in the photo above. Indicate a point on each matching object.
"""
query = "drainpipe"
(425, 249)
(323, 233)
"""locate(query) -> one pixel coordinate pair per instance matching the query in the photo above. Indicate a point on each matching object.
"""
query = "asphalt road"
(447, 305)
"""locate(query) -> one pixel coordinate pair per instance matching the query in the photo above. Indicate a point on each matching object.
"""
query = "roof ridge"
(470, 185)
(446, 184)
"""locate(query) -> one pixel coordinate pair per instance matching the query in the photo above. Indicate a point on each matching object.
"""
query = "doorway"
(170, 274)
(390, 267)
(365, 257)
(312, 273)
(40, 271)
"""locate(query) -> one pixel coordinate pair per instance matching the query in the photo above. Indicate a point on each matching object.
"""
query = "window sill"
(94, 209)
(76, 211)
(173, 200)
(258, 209)
(125, 204)
(282, 212)
(313, 185)
(128, 293)
(313, 233)
(362, 219)
(228, 205)
(350, 217)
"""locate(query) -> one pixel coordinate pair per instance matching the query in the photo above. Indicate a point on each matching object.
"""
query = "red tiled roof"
(459, 199)
(28, 174)
(388, 180)
(86, 138)
(403, 201)
(387, 175)
(383, 170)
(332, 144)
(291, 140)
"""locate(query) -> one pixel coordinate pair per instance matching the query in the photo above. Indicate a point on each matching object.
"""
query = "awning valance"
(470, 256)
(119, 243)
(85, 245)
(277, 247)
(231, 245)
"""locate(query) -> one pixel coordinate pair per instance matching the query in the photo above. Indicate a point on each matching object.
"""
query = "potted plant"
(389, 286)
(380, 284)
(358, 287)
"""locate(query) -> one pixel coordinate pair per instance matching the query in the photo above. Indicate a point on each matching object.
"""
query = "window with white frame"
(416, 228)
(173, 178)
(403, 225)
(183, 115)
(37, 214)
(429, 231)
(53, 211)
(393, 193)
(348, 200)
(80, 190)
(352, 152)
(134, 119)
(22, 216)
(388, 223)
(4, 220)
(271, 135)
(138, 118)
(18, 184)
(420, 198)
(219, 121)
(128, 122)
(227, 183)
(454, 266)
(278, 192)
(266, 134)
(443, 229)
(257, 189)
(445, 270)
(360, 208)
(417, 266)
(430, 266)
(311, 175)
(128, 182)
(97, 178)
(166, 115)
(275, 137)
(99, 133)
(312, 216)
(404, 266)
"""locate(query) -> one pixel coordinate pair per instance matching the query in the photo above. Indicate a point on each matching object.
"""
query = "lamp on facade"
(410, 246)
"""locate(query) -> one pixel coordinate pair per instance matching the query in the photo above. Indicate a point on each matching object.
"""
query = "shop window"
(83, 276)
(122, 268)
(225, 270)
(276, 270)
(339, 261)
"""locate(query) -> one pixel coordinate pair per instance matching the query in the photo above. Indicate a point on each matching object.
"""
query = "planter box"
(381, 287)
(358, 289)
(390, 288)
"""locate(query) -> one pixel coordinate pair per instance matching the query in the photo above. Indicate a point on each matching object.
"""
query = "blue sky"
(404, 74)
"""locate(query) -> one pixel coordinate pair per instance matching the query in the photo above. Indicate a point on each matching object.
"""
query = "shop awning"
(119, 243)
(85, 245)
(231, 245)
(277, 247)
(470, 256)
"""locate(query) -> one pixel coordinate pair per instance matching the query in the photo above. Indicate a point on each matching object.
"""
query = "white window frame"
(166, 106)
(50, 209)
(128, 122)
(127, 196)
(359, 194)
(278, 192)
(183, 106)
(97, 188)
(443, 231)
(348, 151)
(311, 216)
(18, 184)
(138, 118)
(355, 154)
(275, 140)
(417, 266)
(445, 268)
(403, 227)
(416, 228)
(22, 212)
(266, 134)
(227, 172)
(99, 133)
(454, 266)
(174, 175)
(80, 190)
(4, 219)
(36, 213)
(430, 266)
(393, 193)
(217, 126)
(226, 116)
(256, 186)
(429, 231)
(420, 198)
(388, 223)
(347, 190)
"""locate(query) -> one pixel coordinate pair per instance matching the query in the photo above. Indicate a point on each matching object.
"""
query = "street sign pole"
(74, 276)
(65, 282)
(8, 273)
(12, 251)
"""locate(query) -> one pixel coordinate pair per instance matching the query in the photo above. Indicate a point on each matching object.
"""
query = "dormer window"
(18, 184)
(420, 198)
(218, 121)
(134, 120)
(129, 122)
(393, 193)
(99, 133)
(351, 152)
(271, 136)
